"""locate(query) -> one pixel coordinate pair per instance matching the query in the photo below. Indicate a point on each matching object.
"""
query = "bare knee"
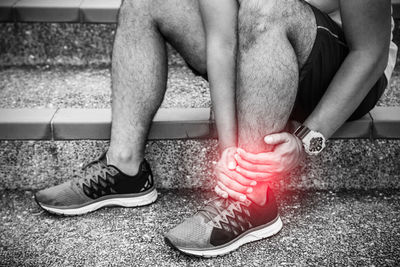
(266, 12)
(257, 17)
(134, 10)
(291, 19)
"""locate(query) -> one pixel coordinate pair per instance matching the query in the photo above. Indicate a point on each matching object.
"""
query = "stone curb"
(171, 123)
(95, 124)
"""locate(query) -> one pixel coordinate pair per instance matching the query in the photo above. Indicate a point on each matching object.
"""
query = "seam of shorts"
(332, 34)
(326, 29)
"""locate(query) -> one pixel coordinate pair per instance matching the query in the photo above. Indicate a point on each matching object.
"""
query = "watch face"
(316, 144)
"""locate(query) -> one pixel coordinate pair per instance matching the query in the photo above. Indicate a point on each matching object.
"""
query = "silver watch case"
(314, 143)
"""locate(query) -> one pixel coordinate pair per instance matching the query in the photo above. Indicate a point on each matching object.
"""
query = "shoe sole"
(128, 202)
(258, 234)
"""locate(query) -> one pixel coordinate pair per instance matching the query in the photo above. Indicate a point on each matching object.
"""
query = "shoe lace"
(215, 207)
(91, 171)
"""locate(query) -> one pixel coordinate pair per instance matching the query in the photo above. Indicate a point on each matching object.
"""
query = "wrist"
(313, 142)
(222, 146)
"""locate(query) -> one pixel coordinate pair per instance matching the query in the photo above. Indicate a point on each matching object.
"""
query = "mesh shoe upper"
(221, 221)
(96, 181)
(192, 229)
(65, 194)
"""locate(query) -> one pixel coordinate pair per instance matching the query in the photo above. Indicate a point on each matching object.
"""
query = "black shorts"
(325, 59)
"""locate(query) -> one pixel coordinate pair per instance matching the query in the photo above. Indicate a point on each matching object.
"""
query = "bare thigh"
(178, 21)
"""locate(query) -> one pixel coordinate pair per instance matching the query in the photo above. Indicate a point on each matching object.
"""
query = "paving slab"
(386, 122)
(95, 124)
(322, 228)
(71, 124)
(100, 11)
(47, 11)
(26, 124)
(7, 10)
(360, 128)
(178, 123)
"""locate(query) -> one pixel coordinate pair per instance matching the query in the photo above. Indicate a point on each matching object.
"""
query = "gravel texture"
(55, 43)
(64, 43)
(345, 164)
(72, 87)
(320, 228)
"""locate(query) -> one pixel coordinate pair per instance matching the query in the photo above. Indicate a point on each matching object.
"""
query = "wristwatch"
(313, 141)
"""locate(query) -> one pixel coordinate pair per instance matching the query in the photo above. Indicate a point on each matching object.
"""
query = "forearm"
(357, 75)
(220, 23)
(221, 66)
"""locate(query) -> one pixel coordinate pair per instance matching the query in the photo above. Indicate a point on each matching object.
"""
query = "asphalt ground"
(320, 228)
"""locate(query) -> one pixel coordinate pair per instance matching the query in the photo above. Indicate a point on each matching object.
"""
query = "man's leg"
(139, 74)
(139, 69)
(276, 37)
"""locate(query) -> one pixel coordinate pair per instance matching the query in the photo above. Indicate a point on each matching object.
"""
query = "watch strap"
(301, 132)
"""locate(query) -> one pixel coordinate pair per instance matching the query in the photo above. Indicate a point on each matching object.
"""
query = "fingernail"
(242, 198)
(253, 183)
(231, 165)
(249, 190)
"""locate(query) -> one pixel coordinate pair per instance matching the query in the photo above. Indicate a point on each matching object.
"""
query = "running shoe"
(224, 225)
(99, 185)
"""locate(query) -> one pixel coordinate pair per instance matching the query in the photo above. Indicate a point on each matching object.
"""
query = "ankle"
(125, 161)
(259, 195)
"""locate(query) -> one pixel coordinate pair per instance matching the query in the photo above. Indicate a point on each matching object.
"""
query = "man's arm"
(220, 23)
(366, 24)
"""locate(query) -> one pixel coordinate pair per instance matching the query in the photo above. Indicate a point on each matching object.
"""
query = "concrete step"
(65, 43)
(177, 164)
(320, 228)
(77, 87)
(90, 87)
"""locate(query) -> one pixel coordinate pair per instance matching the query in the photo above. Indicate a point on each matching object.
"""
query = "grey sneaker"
(100, 185)
(224, 225)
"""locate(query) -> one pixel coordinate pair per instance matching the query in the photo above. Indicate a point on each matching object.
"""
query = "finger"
(220, 192)
(232, 184)
(276, 139)
(238, 177)
(231, 193)
(258, 176)
(252, 158)
(266, 167)
(232, 165)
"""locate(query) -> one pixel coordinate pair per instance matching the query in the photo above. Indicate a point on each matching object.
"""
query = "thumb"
(276, 139)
